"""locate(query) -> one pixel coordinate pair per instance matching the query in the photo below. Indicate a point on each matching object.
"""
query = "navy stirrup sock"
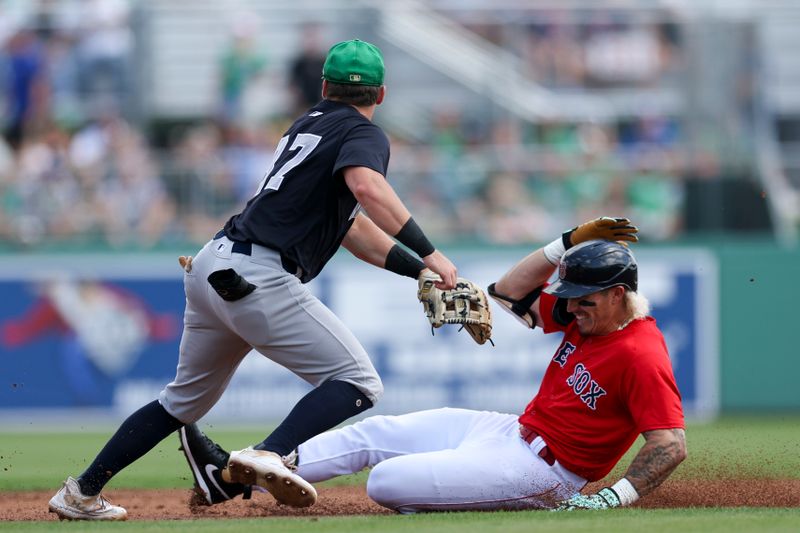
(321, 409)
(135, 437)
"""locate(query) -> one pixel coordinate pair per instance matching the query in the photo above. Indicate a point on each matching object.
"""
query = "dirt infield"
(176, 504)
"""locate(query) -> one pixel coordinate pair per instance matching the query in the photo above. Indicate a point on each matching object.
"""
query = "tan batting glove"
(186, 262)
(607, 228)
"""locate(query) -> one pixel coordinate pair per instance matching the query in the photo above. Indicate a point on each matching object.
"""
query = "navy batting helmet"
(592, 266)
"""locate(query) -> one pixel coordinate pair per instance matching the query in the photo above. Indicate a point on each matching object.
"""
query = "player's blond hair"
(638, 306)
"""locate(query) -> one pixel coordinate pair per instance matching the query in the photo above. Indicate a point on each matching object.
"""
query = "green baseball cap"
(354, 62)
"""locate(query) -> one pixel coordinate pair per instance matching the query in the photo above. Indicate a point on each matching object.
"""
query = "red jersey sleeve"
(546, 303)
(650, 391)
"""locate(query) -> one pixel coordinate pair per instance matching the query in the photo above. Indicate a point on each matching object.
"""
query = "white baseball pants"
(441, 460)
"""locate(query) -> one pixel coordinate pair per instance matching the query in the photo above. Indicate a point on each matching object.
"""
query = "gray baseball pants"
(281, 320)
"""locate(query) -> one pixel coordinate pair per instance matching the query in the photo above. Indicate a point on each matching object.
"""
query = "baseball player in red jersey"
(609, 381)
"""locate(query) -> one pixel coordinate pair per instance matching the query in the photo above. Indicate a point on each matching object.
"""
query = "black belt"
(246, 248)
(528, 435)
(239, 247)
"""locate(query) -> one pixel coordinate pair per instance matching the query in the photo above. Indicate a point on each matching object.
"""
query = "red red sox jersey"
(600, 392)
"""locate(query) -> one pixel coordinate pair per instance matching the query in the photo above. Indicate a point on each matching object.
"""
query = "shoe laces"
(290, 460)
(103, 502)
(96, 502)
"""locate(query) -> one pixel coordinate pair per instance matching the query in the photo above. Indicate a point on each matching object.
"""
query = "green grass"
(617, 521)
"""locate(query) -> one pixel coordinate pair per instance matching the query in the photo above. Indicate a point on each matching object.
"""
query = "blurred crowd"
(511, 184)
(76, 169)
(508, 182)
(589, 48)
(71, 165)
(63, 61)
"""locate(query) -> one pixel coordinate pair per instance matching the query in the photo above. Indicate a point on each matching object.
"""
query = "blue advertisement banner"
(103, 332)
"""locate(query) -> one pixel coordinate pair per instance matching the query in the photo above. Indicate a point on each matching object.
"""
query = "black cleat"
(207, 460)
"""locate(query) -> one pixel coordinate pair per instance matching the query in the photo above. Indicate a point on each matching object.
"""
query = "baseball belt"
(246, 248)
(528, 435)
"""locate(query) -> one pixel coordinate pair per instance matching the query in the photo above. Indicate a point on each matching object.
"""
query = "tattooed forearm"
(662, 452)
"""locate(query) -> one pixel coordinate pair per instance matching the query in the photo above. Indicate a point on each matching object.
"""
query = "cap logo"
(354, 62)
(562, 270)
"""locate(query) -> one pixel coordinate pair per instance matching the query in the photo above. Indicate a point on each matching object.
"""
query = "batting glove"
(608, 228)
(604, 499)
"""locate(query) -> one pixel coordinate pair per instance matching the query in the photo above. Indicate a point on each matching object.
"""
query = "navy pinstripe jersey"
(303, 207)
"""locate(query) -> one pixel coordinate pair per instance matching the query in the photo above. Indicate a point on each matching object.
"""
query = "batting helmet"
(592, 266)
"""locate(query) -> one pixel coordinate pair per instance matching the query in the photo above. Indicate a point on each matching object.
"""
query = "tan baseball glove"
(466, 304)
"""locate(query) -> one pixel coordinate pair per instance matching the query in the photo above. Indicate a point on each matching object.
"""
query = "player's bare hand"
(442, 266)
(186, 262)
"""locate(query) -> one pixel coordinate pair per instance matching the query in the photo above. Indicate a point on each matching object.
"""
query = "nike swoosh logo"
(210, 469)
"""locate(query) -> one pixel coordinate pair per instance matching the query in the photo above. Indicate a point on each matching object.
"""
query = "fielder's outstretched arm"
(378, 198)
(388, 212)
(367, 241)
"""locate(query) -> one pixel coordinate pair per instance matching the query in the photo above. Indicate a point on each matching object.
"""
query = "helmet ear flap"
(560, 314)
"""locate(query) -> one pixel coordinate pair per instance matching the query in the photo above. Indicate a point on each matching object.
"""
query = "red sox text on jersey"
(581, 380)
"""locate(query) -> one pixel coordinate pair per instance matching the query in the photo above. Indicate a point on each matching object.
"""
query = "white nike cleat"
(267, 469)
(69, 503)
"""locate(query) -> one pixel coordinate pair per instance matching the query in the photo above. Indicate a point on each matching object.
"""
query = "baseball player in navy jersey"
(609, 381)
(245, 291)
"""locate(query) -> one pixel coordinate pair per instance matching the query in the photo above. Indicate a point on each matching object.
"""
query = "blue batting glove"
(604, 499)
